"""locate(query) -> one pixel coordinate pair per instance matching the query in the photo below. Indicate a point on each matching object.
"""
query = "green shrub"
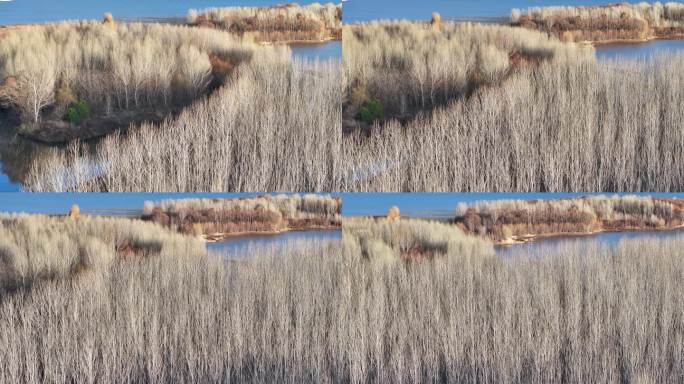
(372, 111)
(78, 112)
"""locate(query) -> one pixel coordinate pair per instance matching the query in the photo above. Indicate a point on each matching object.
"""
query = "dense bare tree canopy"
(368, 309)
(277, 127)
(112, 66)
(468, 108)
(409, 65)
(608, 126)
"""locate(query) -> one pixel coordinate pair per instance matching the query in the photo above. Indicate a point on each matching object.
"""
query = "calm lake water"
(610, 239)
(243, 246)
(323, 51)
(638, 50)
(6, 185)
(423, 205)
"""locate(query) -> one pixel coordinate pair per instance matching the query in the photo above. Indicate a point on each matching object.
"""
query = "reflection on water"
(244, 246)
(638, 50)
(16, 154)
(609, 239)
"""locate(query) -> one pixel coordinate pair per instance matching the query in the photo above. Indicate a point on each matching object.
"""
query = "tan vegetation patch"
(393, 213)
(409, 239)
(276, 127)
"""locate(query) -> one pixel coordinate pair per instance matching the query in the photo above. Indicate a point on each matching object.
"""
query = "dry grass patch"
(383, 239)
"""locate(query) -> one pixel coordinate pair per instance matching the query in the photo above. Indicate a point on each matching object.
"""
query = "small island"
(604, 24)
(288, 23)
(218, 219)
(519, 221)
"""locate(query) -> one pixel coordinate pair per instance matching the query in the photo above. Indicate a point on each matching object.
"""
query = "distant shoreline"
(533, 238)
(165, 20)
(219, 237)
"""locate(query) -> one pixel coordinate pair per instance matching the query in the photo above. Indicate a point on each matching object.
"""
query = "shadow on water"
(242, 246)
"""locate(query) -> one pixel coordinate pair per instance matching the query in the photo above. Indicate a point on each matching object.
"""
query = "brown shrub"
(221, 66)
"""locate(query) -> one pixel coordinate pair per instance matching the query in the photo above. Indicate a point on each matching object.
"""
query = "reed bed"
(113, 67)
(607, 126)
(656, 13)
(410, 65)
(267, 213)
(37, 248)
(320, 312)
(290, 206)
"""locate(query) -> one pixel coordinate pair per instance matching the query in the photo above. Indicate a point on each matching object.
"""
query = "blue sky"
(40, 11)
(411, 204)
(364, 10)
